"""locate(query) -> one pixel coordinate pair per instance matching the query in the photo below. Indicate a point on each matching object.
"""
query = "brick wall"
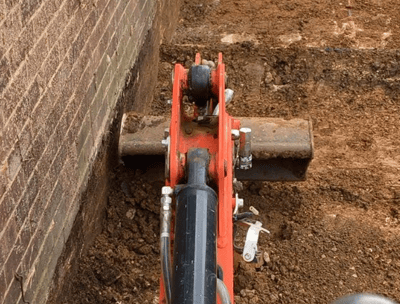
(63, 64)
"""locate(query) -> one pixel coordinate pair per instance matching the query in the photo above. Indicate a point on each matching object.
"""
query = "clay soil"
(335, 63)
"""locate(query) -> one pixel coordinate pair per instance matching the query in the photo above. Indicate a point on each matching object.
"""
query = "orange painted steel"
(218, 141)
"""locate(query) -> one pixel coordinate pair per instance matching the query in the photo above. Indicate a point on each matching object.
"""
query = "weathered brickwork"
(63, 64)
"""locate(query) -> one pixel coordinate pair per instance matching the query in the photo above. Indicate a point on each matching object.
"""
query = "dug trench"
(336, 233)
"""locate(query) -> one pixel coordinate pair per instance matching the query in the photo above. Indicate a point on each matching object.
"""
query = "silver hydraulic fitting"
(239, 203)
(245, 158)
(166, 211)
(228, 98)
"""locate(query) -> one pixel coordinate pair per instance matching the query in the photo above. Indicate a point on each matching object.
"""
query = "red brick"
(58, 163)
(14, 292)
(2, 121)
(25, 140)
(40, 113)
(50, 65)
(19, 117)
(28, 8)
(5, 73)
(41, 203)
(6, 204)
(59, 81)
(30, 100)
(3, 285)
(72, 6)
(11, 28)
(16, 254)
(6, 242)
(52, 119)
(51, 207)
(15, 91)
(58, 25)
(10, 3)
(34, 153)
(36, 57)
(45, 161)
(69, 34)
(100, 27)
(84, 34)
(8, 239)
(3, 183)
(21, 48)
(14, 162)
(44, 16)
(27, 200)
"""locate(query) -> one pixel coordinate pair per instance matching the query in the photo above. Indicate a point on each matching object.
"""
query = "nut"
(166, 200)
(235, 134)
(166, 190)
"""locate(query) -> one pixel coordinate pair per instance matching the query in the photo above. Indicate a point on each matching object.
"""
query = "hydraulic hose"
(165, 266)
(223, 293)
(165, 241)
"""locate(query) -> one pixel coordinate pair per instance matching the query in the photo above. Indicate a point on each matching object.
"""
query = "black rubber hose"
(166, 267)
(223, 292)
(165, 244)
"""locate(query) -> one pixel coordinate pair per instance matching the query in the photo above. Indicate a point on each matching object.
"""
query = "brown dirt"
(336, 233)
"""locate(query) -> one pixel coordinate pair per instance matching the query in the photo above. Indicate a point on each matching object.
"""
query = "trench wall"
(63, 66)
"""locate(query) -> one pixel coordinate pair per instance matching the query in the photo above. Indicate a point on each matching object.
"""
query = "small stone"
(130, 214)
(243, 293)
(323, 256)
(354, 275)
(254, 300)
(268, 78)
(274, 298)
(250, 293)
(267, 259)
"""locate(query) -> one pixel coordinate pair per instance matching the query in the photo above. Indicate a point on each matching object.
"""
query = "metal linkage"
(250, 245)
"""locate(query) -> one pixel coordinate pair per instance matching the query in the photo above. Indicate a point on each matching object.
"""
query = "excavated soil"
(331, 61)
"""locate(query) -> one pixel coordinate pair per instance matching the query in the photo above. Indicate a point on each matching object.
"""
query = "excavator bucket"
(281, 149)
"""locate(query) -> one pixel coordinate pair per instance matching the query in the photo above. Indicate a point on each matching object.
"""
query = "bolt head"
(247, 256)
(165, 143)
(166, 133)
(166, 190)
(166, 200)
(235, 134)
(245, 130)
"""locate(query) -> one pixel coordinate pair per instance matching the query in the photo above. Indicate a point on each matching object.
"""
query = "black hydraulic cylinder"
(194, 274)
